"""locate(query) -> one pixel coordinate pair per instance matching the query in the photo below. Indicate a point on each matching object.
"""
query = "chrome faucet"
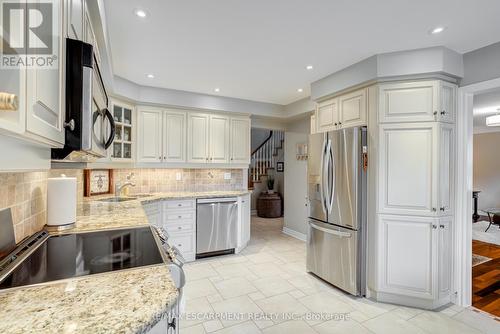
(119, 187)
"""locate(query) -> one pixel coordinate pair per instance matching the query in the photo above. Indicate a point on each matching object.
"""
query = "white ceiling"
(258, 49)
(485, 105)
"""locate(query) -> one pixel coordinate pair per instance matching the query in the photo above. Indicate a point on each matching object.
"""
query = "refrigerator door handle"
(329, 231)
(330, 168)
(322, 177)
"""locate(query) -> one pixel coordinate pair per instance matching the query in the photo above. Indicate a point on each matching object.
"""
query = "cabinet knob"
(434, 210)
(179, 228)
(336, 124)
(70, 125)
(340, 123)
(434, 226)
(442, 208)
(441, 226)
(443, 112)
(179, 217)
(164, 158)
(211, 159)
(180, 245)
(435, 113)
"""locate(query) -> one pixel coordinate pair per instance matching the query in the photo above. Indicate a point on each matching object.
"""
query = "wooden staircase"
(264, 158)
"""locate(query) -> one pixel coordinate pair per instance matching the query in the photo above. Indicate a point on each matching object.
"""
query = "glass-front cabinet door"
(122, 149)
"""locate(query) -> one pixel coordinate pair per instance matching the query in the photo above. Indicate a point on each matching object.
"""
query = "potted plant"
(270, 185)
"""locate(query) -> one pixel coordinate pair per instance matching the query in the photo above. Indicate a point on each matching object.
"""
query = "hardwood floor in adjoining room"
(486, 278)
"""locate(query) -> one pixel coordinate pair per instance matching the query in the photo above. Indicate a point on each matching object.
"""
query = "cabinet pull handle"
(8, 102)
(180, 245)
(443, 112)
(434, 210)
(442, 208)
(179, 217)
(434, 226)
(441, 226)
(435, 113)
(179, 228)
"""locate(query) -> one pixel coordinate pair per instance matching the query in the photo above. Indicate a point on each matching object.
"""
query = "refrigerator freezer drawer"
(332, 255)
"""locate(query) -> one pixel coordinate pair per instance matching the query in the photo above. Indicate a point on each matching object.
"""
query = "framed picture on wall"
(280, 167)
(97, 182)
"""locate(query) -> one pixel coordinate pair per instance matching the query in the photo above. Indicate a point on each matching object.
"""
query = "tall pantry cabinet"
(415, 198)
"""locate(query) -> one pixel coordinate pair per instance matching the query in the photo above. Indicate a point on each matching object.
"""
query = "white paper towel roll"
(61, 201)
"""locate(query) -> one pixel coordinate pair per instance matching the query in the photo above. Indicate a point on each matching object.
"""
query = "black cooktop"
(73, 255)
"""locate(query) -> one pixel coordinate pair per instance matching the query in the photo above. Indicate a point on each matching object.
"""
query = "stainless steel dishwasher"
(216, 226)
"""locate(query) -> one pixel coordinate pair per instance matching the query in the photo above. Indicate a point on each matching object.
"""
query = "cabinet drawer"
(184, 242)
(178, 216)
(182, 204)
(179, 227)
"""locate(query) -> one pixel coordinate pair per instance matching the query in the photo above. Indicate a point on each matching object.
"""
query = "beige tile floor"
(269, 277)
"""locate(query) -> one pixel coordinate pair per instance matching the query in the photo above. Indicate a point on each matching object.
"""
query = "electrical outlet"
(227, 176)
(178, 176)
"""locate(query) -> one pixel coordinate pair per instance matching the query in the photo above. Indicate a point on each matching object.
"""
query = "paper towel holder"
(59, 227)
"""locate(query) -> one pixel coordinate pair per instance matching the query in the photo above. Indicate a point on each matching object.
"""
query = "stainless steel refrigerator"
(336, 245)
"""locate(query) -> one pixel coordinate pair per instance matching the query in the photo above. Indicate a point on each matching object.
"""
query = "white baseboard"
(295, 234)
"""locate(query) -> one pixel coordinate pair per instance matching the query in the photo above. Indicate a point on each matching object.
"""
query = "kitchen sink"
(117, 199)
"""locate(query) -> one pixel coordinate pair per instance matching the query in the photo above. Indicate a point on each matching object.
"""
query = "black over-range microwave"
(89, 126)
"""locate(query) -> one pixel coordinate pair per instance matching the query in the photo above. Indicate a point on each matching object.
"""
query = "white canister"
(61, 202)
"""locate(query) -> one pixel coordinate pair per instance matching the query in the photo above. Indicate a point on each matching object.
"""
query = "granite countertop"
(128, 301)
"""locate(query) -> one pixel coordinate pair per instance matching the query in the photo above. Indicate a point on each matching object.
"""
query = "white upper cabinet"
(178, 137)
(219, 139)
(174, 136)
(406, 174)
(75, 19)
(448, 102)
(408, 256)
(344, 111)
(418, 101)
(149, 132)
(327, 115)
(408, 101)
(45, 99)
(240, 140)
(352, 109)
(198, 138)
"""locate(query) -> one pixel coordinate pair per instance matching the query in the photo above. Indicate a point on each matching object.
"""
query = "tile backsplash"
(26, 192)
(165, 180)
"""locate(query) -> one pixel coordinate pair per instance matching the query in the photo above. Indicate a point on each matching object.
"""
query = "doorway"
(471, 272)
(486, 202)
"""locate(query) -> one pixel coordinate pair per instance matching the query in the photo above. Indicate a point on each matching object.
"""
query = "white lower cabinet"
(179, 220)
(243, 222)
(415, 260)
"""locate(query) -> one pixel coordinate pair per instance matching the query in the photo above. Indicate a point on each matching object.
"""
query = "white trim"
(294, 234)
(462, 262)
(253, 212)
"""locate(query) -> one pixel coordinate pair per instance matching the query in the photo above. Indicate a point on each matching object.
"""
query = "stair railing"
(265, 156)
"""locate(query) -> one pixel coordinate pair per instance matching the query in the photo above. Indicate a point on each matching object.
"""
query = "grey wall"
(481, 64)
(486, 165)
(258, 137)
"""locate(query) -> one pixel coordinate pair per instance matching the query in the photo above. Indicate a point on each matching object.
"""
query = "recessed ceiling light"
(217, 90)
(437, 30)
(300, 90)
(141, 13)
(309, 67)
(151, 76)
